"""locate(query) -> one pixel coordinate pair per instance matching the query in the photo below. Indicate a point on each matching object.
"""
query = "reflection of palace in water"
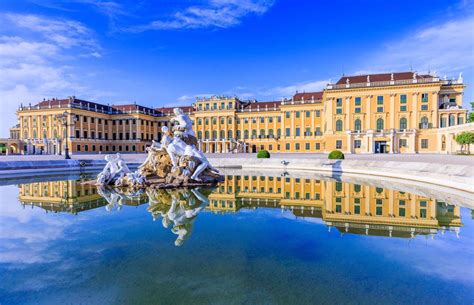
(351, 208)
(67, 196)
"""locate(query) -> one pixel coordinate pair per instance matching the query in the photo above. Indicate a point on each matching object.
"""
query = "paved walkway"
(430, 158)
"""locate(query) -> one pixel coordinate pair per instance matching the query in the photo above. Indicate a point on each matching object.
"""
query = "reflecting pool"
(254, 239)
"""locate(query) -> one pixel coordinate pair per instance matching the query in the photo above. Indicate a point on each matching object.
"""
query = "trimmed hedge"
(336, 154)
(263, 154)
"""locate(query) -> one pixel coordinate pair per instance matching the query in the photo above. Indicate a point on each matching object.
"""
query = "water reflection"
(178, 209)
(348, 207)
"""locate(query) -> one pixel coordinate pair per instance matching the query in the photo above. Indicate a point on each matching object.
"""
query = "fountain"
(173, 162)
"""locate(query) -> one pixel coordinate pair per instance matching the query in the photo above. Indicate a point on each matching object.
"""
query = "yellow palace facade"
(401, 112)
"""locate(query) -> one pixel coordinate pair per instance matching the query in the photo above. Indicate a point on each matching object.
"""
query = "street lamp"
(63, 117)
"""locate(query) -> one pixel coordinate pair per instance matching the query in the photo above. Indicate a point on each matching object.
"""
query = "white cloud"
(216, 14)
(446, 47)
(35, 60)
(289, 90)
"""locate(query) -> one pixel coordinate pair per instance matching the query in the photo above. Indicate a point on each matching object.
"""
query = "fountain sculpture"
(173, 162)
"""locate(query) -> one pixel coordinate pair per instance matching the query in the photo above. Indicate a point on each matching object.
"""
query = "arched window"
(44, 134)
(403, 124)
(357, 125)
(452, 120)
(199, 135)
(278, 132)
(254, 133)
(270, 133)
(222, 121)
(26, 135)
(55, 133)
(34, 134)
(222, 134)
(214, 121)
(238, 135)
(206, 134)
(424, 124)
(379, 124)
(262, 133)
(339, 125)
(229, 134)
(199, 121)
(229, 121)
(214, 134)
(207, 121)
(246, 134)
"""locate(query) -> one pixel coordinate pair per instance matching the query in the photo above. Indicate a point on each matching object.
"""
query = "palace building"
(402, 112)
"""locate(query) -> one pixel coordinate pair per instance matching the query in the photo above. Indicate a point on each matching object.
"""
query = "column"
(413, 207)
(348, 112)
(392, 140)
(368, 102)
(367, 200)
(434, 110)
(392, 111)
(391, 195)
(349, 142)
(414, 105)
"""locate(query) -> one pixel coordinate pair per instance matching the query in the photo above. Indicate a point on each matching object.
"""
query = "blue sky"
(168, 52)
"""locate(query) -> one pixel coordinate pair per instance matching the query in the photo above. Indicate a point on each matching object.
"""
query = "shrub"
(336, 154)
(263, 154)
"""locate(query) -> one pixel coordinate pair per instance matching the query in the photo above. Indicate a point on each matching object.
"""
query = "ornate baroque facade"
(380, 113)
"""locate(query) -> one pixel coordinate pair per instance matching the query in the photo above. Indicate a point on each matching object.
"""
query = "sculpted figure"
(191, 151)
(184, 125)
(111, 170)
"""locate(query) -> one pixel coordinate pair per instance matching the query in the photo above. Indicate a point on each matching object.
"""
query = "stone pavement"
(429, 158)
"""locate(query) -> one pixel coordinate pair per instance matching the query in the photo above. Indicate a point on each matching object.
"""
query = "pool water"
(272, 239)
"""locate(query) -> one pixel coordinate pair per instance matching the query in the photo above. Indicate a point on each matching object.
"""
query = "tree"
(465, 138)
(471, 114)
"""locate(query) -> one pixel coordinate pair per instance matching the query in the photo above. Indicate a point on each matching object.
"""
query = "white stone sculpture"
(184, 125)
(191, 151)
(116, 172)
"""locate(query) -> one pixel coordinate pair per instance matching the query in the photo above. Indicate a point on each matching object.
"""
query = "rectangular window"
(317, 196)
(287, 114)
(78, 147)
(297, 131)
(422, 213)
(338, 208)
(287, 146)
(318, 113)
(460, 120)
(403, 99)
(338, 144)
(378, 211)
(402, 143)
(424, 97)
(339, 102)
(424, 143)
(307, 146)
(380, 100)
(297, 146)
(307, 114)
(78, 133)
(338, 110)
(287, 132)
(403, 108)
(357, 110)
(401, 202)
(401, 212)
(85, 134)
(357, 101)
(297, 114)
(86, 147)
(317, 146)
(357, 209)
(379, 109)
(424, 107)
(357, 143)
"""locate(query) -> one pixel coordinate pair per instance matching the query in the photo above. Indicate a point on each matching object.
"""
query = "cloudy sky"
(168, 52)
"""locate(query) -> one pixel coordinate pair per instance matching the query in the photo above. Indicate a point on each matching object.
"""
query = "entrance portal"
(381, 147)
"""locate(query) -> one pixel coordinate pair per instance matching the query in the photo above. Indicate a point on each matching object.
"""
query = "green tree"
(465, 138)
(471, 114)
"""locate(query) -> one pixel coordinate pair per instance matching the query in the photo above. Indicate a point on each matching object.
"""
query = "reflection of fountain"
(174, 162)
(178, 209)
(117, 198)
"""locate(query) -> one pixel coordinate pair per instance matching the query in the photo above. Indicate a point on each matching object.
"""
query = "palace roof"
(381, 77)
(307, 96)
